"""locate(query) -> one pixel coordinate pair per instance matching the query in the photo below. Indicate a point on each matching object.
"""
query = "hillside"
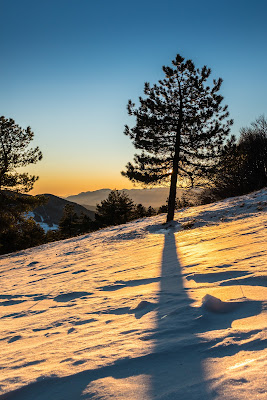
(49, 214)
(154, 197)
(141, 311)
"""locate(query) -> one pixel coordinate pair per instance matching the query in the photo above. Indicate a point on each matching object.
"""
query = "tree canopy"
(180, 128)
(17, 229)
(15, 153)
(243, 162)
(117, 209)
(72, 224)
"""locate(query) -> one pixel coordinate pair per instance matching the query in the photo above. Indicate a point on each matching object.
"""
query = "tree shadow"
(178, 372)
(179, 353)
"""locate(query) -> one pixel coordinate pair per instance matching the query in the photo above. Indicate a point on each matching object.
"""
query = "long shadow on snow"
(177, 370)
(175, 365)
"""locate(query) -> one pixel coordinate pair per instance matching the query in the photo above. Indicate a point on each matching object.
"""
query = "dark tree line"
(243, 164)
(72, 224)
(118, 209)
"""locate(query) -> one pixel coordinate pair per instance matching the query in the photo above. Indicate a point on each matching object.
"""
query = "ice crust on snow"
(146, 310)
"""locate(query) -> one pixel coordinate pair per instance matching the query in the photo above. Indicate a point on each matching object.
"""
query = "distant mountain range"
(154, 197)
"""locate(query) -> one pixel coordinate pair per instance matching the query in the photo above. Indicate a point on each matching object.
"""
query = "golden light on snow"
(117, 314)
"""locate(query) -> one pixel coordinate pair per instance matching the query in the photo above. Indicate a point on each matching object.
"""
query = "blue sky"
(68, 68)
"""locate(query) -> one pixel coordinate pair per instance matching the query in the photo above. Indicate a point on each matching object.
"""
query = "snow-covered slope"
(119, 313)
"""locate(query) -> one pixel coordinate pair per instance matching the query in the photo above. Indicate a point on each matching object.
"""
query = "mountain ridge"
(154, 197)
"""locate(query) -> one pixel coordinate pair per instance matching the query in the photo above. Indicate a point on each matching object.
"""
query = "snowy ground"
(118, 314)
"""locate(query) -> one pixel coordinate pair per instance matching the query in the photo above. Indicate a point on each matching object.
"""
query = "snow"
(141, 311)
(43, 224)
(47, 227)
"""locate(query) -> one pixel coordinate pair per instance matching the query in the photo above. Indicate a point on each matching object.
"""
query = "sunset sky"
(68, 68)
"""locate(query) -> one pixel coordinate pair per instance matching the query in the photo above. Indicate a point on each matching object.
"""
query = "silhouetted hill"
(51, 212)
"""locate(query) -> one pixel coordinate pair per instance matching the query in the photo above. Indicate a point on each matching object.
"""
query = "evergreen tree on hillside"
(15, 153)
(150, 212)
(69, 223)
(180, 127)
(163, 209)
(86, 224)
(243, 163)
(17, 230)
(140, 211)
(117, 209)
(253, 146)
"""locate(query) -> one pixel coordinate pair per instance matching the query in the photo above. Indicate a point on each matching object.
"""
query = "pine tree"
(17, 230)
(69, 222)
(163, 209)
(243, 163)
(117, 209)
(140, 211)
(180, 127)
(150, 212)
(85, 223)
(14, 153)
(252, 145)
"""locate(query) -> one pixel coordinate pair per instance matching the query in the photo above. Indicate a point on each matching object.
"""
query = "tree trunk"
(174, 176)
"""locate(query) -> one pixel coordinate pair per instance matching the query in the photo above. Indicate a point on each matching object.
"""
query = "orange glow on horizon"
(70, 185)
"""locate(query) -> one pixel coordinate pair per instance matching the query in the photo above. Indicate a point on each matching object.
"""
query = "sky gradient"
(68, 68)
